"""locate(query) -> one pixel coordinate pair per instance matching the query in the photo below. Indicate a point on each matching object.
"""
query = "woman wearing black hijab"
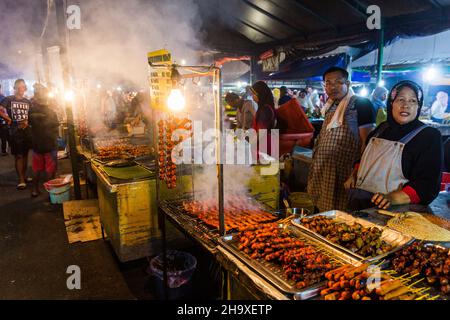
(265, 116)
(402, 161)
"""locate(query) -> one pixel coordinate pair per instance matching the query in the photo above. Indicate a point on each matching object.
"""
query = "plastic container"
(181, 268)
(59, 190)
(55, 183)
(60, 195)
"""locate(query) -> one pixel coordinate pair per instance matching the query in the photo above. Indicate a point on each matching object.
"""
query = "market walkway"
(35, 253)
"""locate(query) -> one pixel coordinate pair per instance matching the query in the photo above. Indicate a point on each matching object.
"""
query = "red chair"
(445, 180)
(295, 128)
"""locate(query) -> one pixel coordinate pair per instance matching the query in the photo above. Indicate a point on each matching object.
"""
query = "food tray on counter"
(394, 238)
(274, 273)
(433, 289)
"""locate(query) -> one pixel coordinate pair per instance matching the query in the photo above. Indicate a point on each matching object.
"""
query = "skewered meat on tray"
(237, 217)
(432, 262)
(122, 150)
(364, 241)
(299, 261)
(166, 143)
(357, 283)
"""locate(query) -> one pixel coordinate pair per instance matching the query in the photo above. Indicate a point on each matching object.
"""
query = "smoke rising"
(116, 35)
(20, 24)
(236, 183)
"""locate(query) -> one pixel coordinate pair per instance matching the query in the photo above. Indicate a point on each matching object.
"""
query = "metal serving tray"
(274, 274)
(433, 290)
(396, 239)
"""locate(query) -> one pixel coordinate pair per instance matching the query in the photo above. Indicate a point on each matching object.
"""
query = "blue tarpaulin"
(313, 69)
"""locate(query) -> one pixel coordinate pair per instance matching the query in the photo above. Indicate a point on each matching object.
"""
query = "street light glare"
(363, 92)
(430, 74)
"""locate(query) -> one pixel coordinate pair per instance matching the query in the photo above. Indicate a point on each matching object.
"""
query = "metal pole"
(380, 54)
(162, 221)
(253, 66)
(219, 127)
(62, 32)
(156, 146)
(349, 60)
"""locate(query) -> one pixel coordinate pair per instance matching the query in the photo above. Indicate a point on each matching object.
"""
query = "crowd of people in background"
(117, 109)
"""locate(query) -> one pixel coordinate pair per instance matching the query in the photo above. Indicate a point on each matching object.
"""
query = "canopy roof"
(412, 51)
(313, 27)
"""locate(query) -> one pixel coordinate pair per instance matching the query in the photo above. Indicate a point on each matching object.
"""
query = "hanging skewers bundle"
(166, 143)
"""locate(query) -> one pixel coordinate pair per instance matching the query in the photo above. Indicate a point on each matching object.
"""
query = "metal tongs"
(288, 208)
(387, 213)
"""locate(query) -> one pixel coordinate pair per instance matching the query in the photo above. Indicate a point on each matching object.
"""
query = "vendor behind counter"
(402, 160)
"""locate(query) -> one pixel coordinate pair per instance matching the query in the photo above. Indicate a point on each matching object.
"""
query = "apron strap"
(412, 134)
(383, 128)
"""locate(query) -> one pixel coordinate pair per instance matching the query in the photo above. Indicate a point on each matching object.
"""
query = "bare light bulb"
(69, 95)
(176, 101)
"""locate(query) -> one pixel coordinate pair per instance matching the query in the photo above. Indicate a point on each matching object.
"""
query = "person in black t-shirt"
(44, 127)
(16, 115)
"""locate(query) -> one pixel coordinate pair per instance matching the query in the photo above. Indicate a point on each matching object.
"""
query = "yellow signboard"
(160, 77)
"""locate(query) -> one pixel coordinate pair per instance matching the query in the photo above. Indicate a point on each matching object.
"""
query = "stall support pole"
(85, 170)
(380, 54)
(62, 32)
(162, 225)
(220, 182)
(219, 129)
(253, 69)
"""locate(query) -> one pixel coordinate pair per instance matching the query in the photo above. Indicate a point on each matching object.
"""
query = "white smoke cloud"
(116, 35)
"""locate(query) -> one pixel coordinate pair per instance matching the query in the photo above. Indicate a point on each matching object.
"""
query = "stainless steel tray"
(433, 290)
(396, 239)
(274, 274)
